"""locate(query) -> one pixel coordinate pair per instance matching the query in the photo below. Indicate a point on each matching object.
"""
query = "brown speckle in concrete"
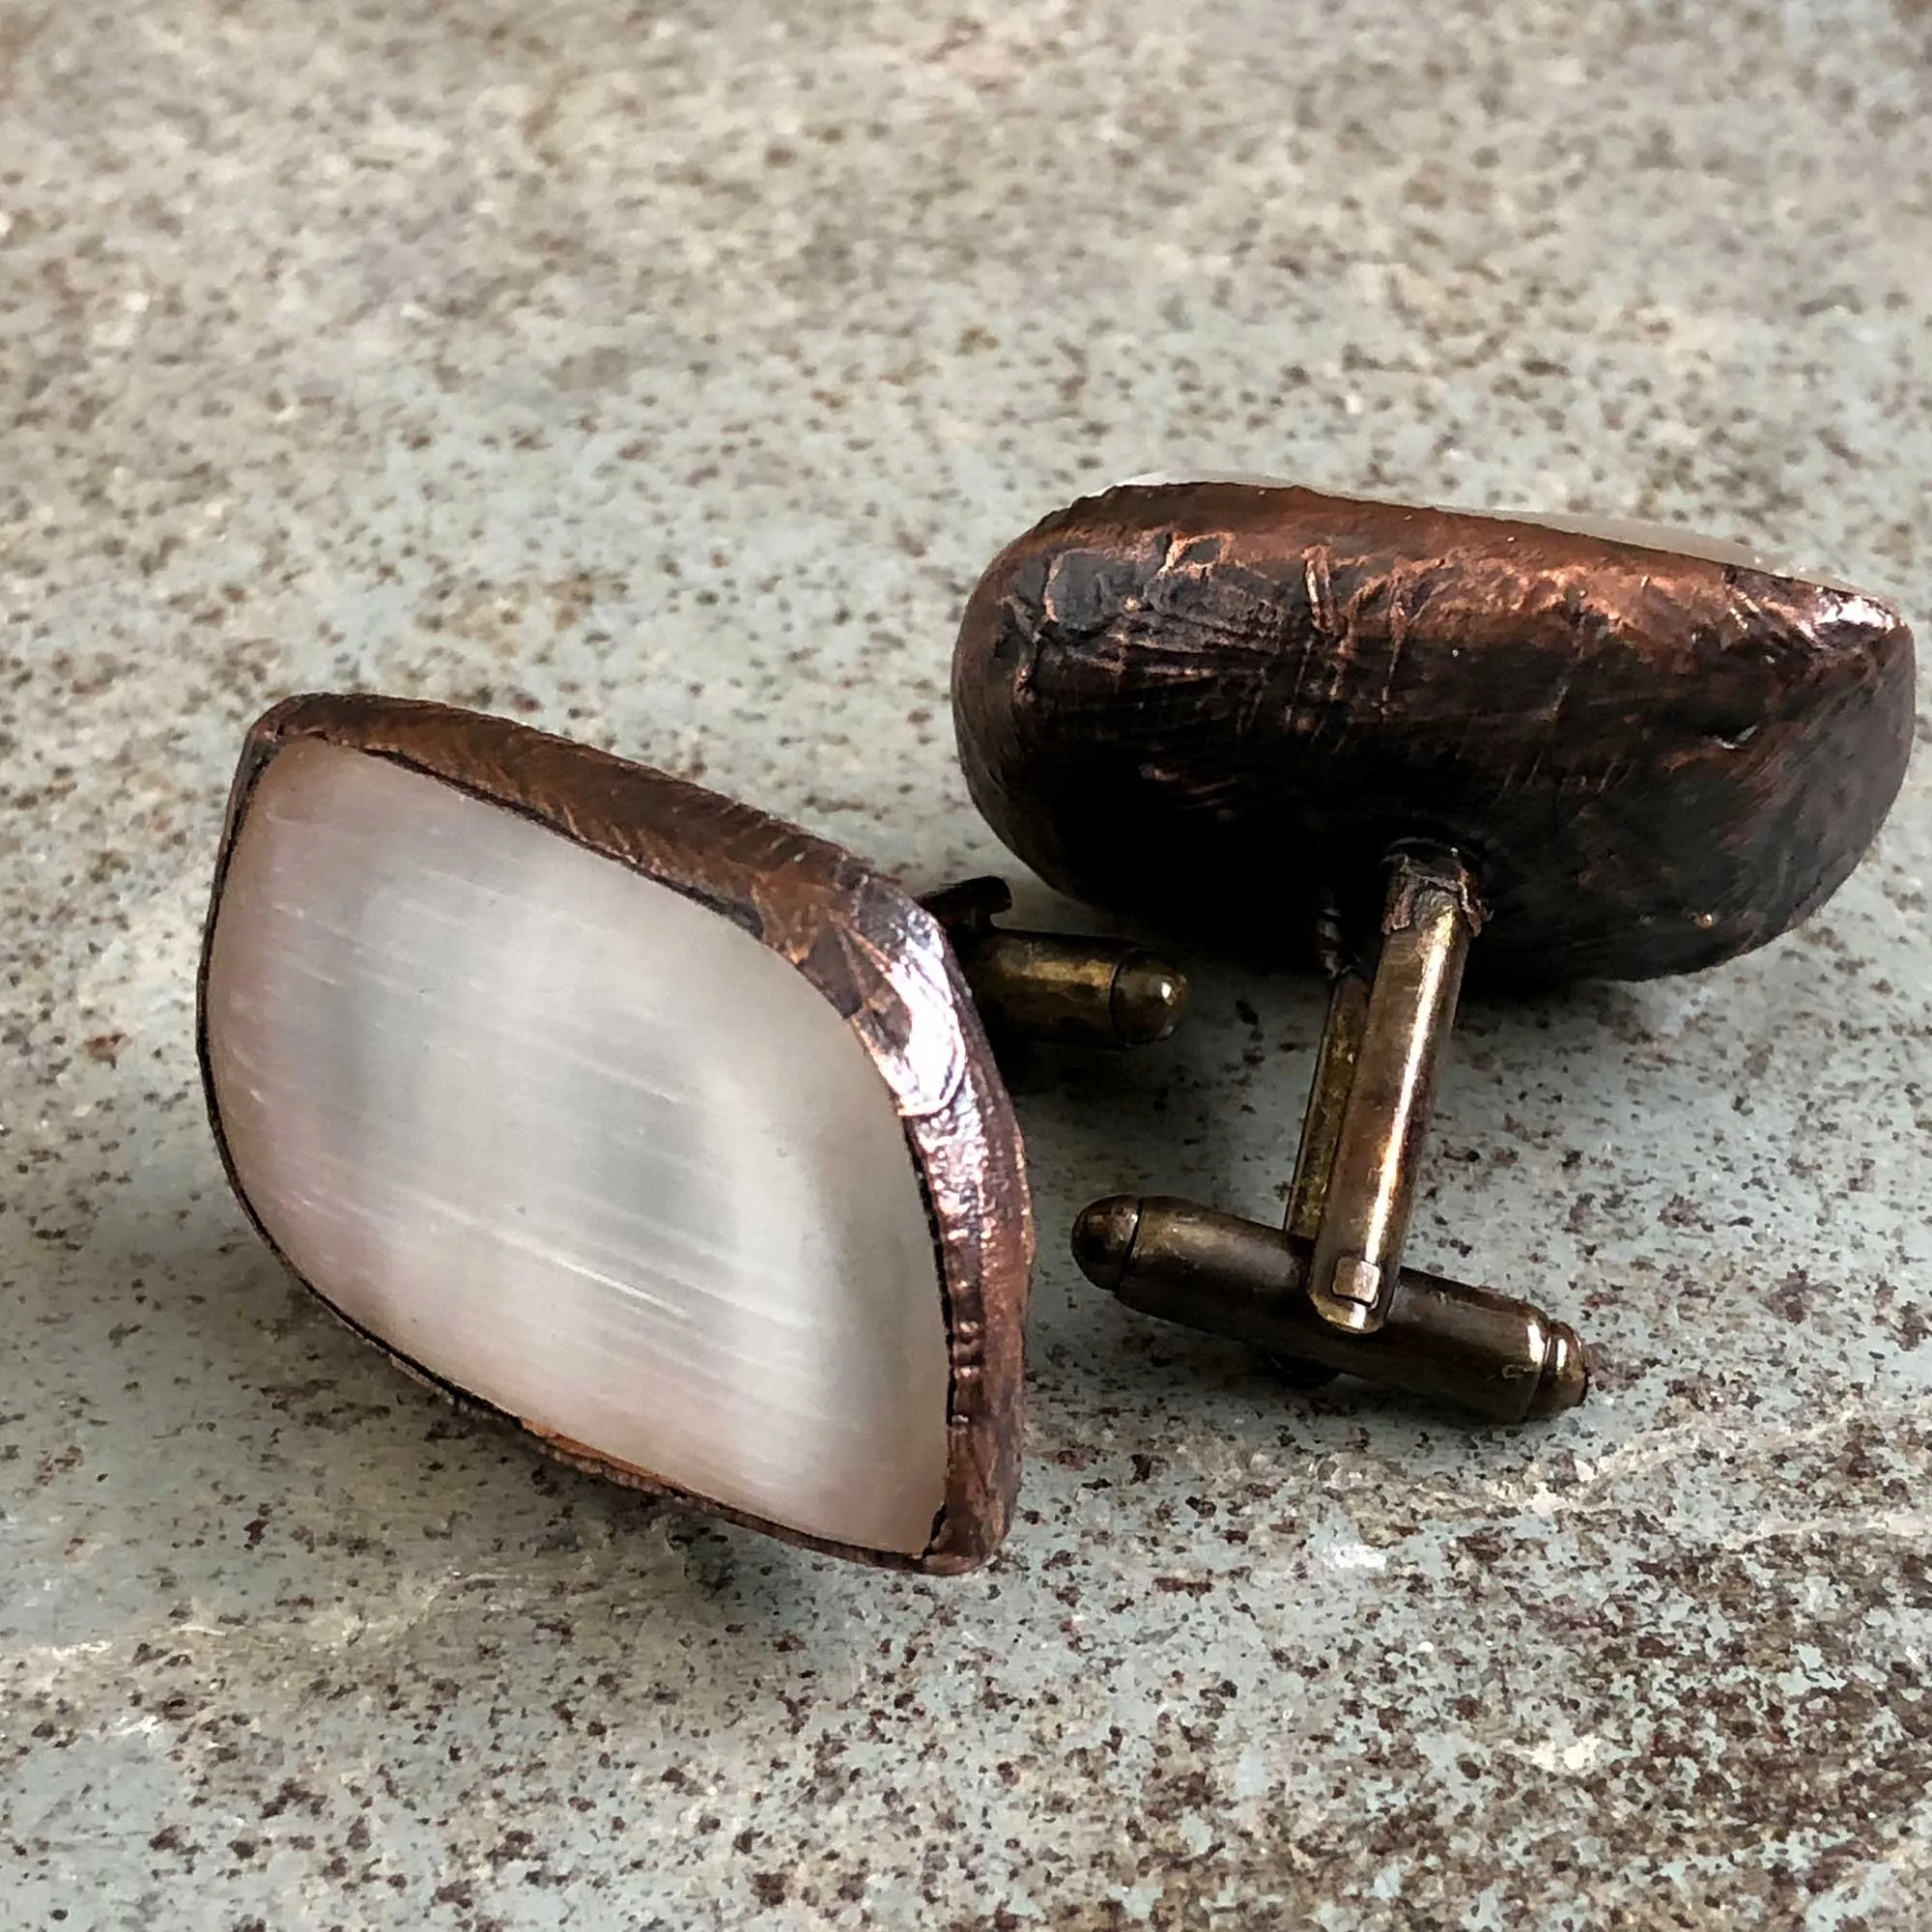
(665, 377)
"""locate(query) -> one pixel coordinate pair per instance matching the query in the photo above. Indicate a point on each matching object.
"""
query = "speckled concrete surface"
(666, 375)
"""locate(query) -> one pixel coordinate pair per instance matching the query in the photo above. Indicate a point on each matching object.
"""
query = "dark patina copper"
(879, 957)
(1369, 732)
(1220, 705)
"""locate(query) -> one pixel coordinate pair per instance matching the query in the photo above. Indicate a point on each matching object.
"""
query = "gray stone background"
(666, 375)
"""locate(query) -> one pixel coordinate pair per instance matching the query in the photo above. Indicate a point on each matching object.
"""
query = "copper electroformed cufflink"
(1375, 732)
(658, 1126)
(672, 1133)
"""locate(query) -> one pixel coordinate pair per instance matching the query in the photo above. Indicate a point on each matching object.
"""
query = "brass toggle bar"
(1055, 986)
(1486, 1352)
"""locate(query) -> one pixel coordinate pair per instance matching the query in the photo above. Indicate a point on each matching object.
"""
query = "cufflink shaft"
(1428, 919)
(1327, 1102)
(1328, 1293)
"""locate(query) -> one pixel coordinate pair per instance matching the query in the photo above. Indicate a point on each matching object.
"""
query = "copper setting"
(884, 962)
(1403, 739)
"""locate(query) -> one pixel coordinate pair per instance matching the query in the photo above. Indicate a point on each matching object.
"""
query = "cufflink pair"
(673, 1134)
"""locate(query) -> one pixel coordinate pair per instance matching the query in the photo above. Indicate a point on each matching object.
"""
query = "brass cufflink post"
(1327, 1292)
(1393, 1043)
(1069, 987)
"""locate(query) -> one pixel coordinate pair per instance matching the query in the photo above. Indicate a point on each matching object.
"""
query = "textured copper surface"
(877, 956)
(1214, 703)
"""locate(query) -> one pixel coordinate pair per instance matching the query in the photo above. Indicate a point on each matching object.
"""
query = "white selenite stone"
(579, 1146)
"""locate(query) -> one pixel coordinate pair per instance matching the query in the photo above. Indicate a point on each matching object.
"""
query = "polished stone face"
(577, 1144)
